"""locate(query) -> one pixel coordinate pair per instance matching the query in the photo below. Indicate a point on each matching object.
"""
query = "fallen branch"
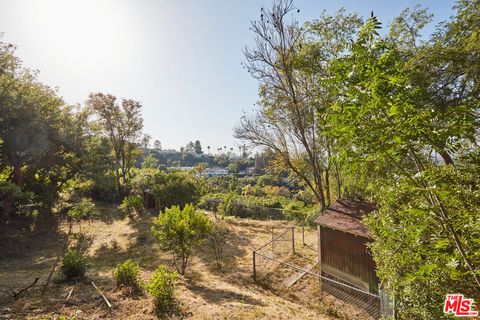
(103, 296)
(68, 297)
(15, 294)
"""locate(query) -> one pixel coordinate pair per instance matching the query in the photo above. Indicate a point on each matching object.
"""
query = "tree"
(402, 103)
(157, 145)
(291, 100)
(190, 147)
(180, 231)
(150, 161)
(176, 188)
(233, 167)
(198, 147)
(122, 122)
(146, 141)
(42, 139)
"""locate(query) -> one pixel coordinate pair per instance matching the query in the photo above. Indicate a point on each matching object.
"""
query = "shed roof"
(346, 215)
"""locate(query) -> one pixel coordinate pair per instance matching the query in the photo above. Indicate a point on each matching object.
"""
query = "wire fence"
(284, 262)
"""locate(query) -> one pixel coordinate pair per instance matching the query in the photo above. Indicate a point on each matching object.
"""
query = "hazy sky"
(179, 58)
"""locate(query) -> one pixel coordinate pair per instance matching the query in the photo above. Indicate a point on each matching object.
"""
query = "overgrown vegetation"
(344, 111)
(393, 119)
(131, 205)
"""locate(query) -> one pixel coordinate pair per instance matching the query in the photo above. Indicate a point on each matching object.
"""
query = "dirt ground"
(203, 293)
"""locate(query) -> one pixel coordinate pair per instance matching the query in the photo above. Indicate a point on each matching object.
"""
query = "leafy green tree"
(176, 188)
(122, 123)
(150, 161)
(397, 116)
(198, 147)
(42, 139)
(233, 167)
(189, 148)
(181, 231)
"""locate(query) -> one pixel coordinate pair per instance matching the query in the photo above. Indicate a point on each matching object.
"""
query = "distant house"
(167, 151)
(186, 169)
(342, 239)
(216, 172)
(200, 155)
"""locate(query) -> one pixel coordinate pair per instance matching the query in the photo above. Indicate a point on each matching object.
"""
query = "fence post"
(272, 237)
(293, 240)
(254, 268)
(303, 232)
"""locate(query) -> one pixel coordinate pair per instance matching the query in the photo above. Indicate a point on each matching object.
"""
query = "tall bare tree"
(285, 122)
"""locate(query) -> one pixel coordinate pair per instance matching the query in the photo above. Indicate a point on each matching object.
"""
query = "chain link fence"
(289, 258)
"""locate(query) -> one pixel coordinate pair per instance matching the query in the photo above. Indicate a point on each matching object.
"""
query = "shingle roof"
(346, 215)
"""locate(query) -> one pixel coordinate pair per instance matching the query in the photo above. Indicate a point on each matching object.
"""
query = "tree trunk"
(327, 185)
(117, 175)
(339, 183)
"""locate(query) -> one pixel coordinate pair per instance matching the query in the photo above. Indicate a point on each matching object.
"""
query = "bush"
(227, 207)
(210, 202)
(180, 231)
(249, 190)
(216, 239)
(176, 188)
(127, 274)
(274, 191)
(162, 288)
(81, 209)
(131, 204)
(74, 264)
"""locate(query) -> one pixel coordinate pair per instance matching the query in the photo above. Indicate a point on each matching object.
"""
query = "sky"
(179, 58)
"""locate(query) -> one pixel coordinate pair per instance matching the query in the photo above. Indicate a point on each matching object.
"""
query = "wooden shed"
(149, 201)
(342, 249)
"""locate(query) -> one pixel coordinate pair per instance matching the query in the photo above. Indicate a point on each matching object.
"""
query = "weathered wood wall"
(347, 256)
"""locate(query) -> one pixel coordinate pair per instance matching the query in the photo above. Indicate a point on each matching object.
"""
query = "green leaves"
(180, 231)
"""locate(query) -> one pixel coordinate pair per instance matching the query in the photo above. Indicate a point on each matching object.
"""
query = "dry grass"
(203, 293)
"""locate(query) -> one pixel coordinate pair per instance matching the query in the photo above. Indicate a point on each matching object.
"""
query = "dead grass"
(203, 293)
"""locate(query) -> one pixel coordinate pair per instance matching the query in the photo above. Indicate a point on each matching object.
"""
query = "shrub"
(74, 264)
(83, 208)
(162, 288)
(127, 274)
(131, 204)
(268, 180)
(180, 231)
(216, 239)
(210, 202)
(176, 188)
(253, 190)
(274, 191)
(227, 207)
